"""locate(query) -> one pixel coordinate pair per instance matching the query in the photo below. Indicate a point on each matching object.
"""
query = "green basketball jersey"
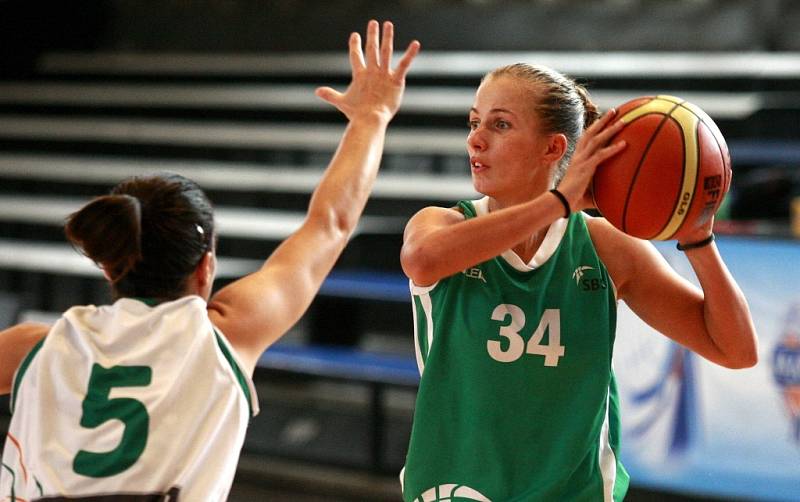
(517, 399)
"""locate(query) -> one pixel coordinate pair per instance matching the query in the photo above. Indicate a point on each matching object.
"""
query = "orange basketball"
(672, 176)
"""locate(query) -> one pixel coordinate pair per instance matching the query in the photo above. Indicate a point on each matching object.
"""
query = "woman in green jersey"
(515, 306)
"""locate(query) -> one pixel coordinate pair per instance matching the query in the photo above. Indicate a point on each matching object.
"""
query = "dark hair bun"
(109, 231)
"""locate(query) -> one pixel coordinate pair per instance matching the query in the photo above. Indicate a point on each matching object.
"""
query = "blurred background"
(222, 92)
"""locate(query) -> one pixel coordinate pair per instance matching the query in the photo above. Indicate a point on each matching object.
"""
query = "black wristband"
(567, 210)
(694, 245)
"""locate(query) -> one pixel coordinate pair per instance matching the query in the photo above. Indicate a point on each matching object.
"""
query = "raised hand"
(376, 89)
(592, 149)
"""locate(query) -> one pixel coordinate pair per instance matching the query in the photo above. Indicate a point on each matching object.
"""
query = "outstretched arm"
(713, 321)
(256, 310)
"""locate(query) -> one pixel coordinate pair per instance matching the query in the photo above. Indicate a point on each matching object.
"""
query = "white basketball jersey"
(128, 399)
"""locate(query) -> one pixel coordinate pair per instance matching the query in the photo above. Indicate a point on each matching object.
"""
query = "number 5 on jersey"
(99, 408)
(550, 322)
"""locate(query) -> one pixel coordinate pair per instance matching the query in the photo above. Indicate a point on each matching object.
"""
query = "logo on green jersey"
(586, 283)
(578, 274)
(451, 493)
(474, 273)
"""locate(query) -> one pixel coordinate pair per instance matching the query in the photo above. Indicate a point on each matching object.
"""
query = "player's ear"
(206, 269)
(556, 147)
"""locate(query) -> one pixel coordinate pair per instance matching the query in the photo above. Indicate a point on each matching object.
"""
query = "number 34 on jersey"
(515, 346)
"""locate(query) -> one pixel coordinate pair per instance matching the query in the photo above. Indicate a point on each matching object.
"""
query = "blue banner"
(693, 426)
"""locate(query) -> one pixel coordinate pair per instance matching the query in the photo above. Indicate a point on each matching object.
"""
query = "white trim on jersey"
(548, 247)
(607, 459)
(421, 290)
(427, 308)
(417, 350)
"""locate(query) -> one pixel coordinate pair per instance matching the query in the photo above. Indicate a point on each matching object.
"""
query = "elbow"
(418, 265)
(743, 362)
(338, 226)
(343, 223)
(743, 359)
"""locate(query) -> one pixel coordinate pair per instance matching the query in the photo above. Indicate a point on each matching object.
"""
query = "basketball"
(673, 174)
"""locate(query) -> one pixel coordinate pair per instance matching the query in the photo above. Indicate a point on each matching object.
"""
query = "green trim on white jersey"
(21, 372)
(240, 376)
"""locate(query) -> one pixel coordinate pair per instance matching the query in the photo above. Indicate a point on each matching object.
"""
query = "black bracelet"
(694, 245)
(567, 210)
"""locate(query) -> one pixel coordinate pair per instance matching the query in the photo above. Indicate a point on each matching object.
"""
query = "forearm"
(259, 308)
(725, 310)
(342, 193)
(431, 254)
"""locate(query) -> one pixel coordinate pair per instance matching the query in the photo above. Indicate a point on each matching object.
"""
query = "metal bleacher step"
(584, 64)
(218, 134)
(427, 100)
(231, 96)
(232, 222)
(62, 260)
(223, 176)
